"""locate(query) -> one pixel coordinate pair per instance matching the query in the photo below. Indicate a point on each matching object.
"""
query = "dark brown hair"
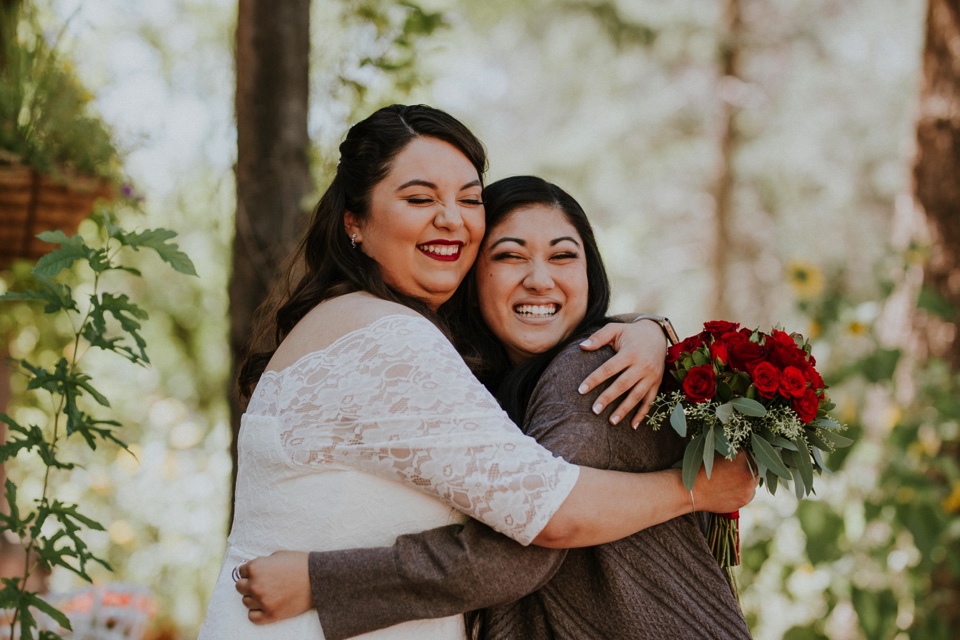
(324, 265)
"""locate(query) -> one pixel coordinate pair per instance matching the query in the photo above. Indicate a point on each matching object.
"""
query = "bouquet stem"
(723, 536)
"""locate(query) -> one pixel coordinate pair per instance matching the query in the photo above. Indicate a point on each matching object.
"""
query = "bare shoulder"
(331, 320)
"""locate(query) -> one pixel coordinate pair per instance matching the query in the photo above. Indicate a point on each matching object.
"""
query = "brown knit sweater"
(659, 583)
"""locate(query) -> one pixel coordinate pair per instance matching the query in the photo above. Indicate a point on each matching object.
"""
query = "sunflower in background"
(805, 278)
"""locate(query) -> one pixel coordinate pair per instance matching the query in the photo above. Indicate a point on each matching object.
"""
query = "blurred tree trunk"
(272, 171)
(937, 168)
(937, 184)
(724, 238)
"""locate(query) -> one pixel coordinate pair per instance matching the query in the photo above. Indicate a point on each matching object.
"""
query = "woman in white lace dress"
(365, 423)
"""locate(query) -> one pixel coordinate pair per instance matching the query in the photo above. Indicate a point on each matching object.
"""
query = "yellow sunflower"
(805, 278)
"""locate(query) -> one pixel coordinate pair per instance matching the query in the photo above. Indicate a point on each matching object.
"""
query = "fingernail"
(614, 419)
(582, 389)
(585, 343)
(597, 408)
(635, 425)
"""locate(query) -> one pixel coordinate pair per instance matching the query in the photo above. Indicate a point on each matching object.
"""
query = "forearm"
(609, 505)
(432, 574)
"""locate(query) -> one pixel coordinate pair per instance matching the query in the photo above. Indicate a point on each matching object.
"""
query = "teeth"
(440, 249)
(536, 309)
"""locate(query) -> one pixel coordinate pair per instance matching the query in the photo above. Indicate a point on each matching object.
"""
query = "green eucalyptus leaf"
(692, 459)
(825, 423)
(783, 443)
(763, 451)
(836, 439)
(798, 488)
(709, 448)
(803, 463)
(678, 420)
(724, 413)
(749, 407)
(721, 444)
(818, 457)
(772, 482)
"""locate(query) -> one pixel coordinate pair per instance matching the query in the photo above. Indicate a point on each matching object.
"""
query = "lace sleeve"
(395, 399)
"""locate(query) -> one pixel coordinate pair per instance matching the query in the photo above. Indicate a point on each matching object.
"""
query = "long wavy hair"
(513, 386)
(324, 265)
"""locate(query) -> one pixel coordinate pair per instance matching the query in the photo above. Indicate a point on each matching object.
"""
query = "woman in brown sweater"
(542, 287)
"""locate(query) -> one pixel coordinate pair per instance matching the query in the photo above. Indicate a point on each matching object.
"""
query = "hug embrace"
(431, 449)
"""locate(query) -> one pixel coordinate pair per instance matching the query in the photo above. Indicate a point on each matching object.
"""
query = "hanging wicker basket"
(31, 203)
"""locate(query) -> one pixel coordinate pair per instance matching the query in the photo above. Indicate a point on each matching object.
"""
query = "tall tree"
(937, 167)
(273, 168)
(937, 183)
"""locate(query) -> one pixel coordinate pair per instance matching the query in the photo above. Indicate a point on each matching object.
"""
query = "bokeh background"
(744, 159)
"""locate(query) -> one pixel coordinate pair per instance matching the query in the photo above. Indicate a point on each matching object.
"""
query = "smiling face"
(532, 281)
(426, 221)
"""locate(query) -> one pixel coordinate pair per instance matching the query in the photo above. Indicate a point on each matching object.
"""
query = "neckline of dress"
(348, 335)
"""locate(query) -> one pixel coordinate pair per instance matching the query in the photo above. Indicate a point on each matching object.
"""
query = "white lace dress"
(384, 432)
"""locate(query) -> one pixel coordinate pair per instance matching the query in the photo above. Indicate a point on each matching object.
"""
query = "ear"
(351, 225)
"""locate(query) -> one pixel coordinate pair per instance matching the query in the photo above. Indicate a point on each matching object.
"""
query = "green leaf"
(749, 407)
(709, 448)
(803, 463)
(825, 423)
(57, 296)
(678, 420)
(157, 239)
(721, 444)
(32, 600)
(836, 439)
(764, 452)
(71, 250)
(724, 412)
(818, 458)
(128, 316)
(692, 459)
(797, 483)
(780, 441)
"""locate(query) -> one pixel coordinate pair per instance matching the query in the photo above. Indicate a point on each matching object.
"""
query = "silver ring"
(235, 574)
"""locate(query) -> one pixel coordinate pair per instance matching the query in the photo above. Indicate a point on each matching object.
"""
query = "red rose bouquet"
(753, 391)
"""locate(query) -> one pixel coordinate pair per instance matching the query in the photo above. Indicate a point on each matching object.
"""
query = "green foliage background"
(620, 102)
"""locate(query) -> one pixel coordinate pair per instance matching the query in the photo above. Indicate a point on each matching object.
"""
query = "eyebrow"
(523, 243)
(416, 182)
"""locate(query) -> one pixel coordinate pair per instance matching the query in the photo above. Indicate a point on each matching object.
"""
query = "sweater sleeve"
(432, 574)
(459, 568)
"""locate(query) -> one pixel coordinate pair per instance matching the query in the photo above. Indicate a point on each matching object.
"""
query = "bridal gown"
(383, 432)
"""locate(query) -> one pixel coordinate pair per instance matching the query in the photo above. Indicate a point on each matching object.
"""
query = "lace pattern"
(395, 399)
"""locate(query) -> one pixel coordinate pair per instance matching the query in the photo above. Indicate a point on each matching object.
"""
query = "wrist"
(663, 322)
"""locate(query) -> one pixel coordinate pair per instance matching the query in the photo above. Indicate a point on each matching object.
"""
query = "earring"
(353, 241)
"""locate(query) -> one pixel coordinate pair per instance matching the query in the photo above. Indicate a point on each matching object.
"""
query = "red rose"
(717, 328)
(766, 379)
(700, 383)
(784, 351)
(793, 384)
(687, 345)
(806, 406)
(744, 354)
(813, 377)
(718, 351)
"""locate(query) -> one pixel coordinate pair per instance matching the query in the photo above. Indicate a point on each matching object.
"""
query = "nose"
(538, 278)
(449, 217)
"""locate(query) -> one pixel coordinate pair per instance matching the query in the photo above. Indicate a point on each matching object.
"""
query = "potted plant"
(56, 156)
